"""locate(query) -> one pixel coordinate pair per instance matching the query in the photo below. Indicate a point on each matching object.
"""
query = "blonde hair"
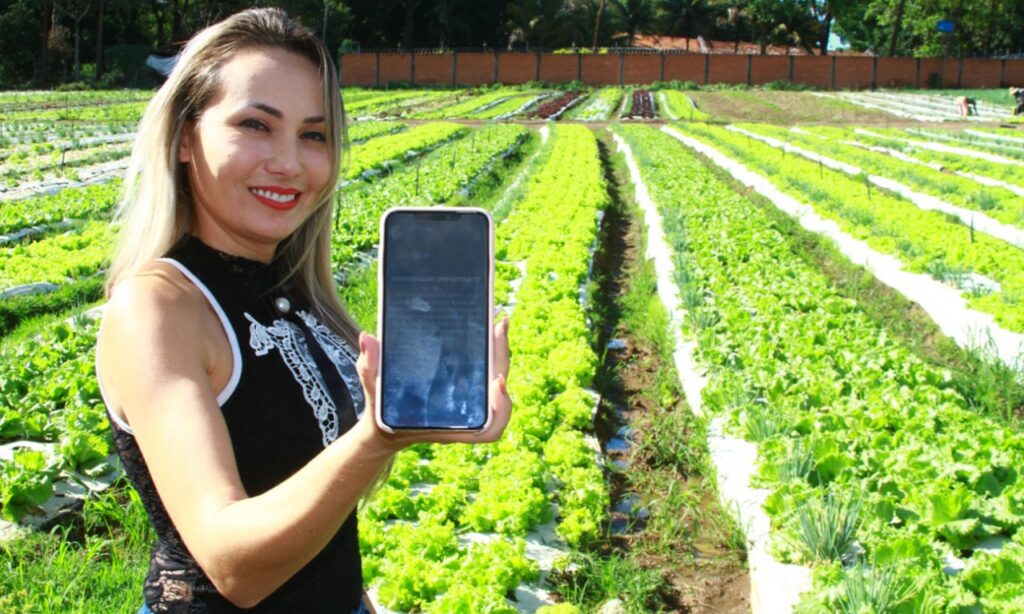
(156, 207)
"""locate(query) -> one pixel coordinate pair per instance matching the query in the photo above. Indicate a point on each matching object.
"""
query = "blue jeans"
(360, 610)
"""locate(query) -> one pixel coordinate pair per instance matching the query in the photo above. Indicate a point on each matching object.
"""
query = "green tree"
(688, 18)
(633, 17)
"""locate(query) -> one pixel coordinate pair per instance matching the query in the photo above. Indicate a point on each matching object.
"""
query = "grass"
(598, 579)
(666, 560)
(94, 562)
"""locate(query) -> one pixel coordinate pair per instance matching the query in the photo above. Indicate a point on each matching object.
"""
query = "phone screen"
(435, 329)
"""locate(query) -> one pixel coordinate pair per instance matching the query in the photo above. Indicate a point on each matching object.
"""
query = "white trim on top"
(236, 352)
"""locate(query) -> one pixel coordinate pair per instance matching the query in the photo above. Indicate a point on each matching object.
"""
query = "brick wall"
(727, 69)
(950, 72)
(897, 72)
(812, 70)
(854, 73)
(433, 69)
(474, 68)
(685, 68)
(515, 68)
(477, 68)
(767, 68)
(600, 69)
(641, 69)
(395, 67)
(980, 72)
(358, 69)
(931, 72)
(1014, 74)
(558, 68)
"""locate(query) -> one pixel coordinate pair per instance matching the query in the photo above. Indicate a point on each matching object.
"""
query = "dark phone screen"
(435, 333)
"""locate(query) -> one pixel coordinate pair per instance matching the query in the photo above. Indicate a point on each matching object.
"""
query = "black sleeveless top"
(293, 391)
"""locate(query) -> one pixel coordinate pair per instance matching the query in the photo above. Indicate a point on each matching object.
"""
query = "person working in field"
(1018, 99)
(227, 363)
(967, 106)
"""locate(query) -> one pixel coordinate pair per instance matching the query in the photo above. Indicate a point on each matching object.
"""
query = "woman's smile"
(278, 198)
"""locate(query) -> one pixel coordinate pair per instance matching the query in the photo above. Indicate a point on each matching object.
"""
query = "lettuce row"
(963, 139)
(837, 407)
(380, 151)
(997, 203)
(894, 139)
(434, 178)
(465, 108)
(360, 132)
(120, 113)
(58, 258)
(409, 530)
(680, 106)
(926, 241)
(84, 203)
(378, 100)
(602, 104)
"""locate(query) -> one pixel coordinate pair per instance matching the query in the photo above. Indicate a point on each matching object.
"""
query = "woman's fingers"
(366, 367)
(501, 359)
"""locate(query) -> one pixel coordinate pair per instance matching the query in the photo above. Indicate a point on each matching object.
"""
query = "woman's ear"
(185, 142)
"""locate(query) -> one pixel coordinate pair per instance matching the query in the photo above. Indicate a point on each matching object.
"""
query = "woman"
(225, 358)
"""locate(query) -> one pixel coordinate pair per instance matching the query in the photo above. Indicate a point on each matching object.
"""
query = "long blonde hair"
(156, 207)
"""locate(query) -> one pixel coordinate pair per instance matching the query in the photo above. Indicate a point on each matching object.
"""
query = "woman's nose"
(284, 160)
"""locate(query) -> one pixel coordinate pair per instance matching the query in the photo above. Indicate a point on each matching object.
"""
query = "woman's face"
(257, 155)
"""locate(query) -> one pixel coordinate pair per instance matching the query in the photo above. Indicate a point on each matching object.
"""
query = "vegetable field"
(757, 365)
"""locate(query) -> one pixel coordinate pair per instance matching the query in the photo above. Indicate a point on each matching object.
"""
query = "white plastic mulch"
(945, 305)
(899, 155)
(774, 587)
(974, 219)
(921, 107)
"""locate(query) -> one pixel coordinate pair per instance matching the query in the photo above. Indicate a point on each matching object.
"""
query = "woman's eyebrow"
(269, 110)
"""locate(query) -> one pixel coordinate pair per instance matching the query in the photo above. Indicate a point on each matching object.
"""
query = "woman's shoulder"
(158, 298)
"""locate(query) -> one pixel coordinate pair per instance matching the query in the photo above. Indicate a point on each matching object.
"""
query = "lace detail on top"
(341, 355)
(172, 585)
(287, 338)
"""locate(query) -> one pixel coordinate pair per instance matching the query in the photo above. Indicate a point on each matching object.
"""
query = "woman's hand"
(501, 404)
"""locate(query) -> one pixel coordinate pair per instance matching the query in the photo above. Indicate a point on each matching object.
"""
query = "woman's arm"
(156, 357)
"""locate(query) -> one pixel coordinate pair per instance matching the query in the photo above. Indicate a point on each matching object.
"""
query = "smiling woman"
(228, 365)
(257, 155)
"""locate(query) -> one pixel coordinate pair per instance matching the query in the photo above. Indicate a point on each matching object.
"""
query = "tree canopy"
(47, 42)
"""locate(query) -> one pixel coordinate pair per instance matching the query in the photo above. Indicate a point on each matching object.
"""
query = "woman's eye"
(255, 124)
(315, 135)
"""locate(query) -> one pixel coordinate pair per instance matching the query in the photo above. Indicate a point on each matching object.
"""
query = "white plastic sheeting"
(974, 219)
(944, 304)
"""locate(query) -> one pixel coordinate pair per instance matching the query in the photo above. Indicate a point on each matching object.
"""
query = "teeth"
(274, 196)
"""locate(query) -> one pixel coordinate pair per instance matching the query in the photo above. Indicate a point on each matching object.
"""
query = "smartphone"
(435, 311)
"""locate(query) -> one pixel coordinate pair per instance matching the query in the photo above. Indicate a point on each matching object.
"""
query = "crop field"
(768, 351)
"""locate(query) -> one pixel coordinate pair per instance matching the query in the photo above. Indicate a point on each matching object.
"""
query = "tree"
(597, 22)
(897, 24)
(634, 16)
(536, 22)
(688, 18)
(99, 38)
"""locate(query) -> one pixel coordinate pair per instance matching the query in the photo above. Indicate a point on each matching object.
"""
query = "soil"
(712, 577)
(781, 107)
